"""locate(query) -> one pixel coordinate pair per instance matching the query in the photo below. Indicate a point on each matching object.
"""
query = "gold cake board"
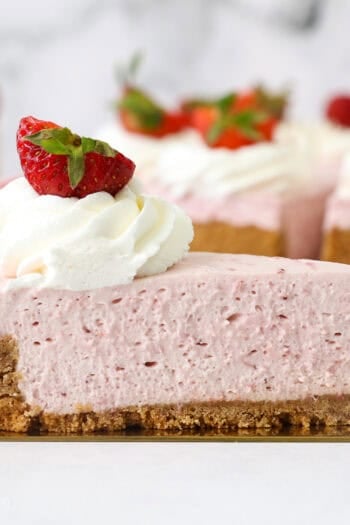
(253, 435)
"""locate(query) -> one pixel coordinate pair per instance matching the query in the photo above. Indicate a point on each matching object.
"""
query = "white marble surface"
(166, 484)
(57, 58)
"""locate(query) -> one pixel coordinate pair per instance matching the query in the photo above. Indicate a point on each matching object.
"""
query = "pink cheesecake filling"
(276, 329)
(299, 216)
(259, 209)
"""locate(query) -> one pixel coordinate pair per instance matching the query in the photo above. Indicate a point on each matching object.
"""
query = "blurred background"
(57, 59)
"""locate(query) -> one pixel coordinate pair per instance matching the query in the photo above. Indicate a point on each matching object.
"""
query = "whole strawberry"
(338, 110)
(56, 161)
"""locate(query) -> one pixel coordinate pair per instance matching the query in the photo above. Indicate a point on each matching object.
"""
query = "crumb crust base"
(222, 237)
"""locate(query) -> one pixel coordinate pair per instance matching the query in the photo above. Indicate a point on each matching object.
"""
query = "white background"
(174, 483)
(57, 58)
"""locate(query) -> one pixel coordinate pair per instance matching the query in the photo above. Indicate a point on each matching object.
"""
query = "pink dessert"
(216, 341)
(108, 324)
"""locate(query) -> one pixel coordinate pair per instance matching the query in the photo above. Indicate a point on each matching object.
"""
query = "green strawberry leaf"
(194, 103)
(126, 73)
(147, 113)
(61, 141)
(216, 130)
(53, 140)
(135, 62)
(225, 103)
(244, 121)
(274, 103)
(97, 146)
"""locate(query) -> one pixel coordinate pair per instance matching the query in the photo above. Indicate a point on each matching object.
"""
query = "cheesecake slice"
(218, 341)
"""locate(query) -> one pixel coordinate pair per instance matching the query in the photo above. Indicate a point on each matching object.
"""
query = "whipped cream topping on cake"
(48, 241)
(144, 149)
(318, 139)
(195, 168)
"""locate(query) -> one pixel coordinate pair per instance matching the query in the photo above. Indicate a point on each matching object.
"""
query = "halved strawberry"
(140, 114)
(56, 161)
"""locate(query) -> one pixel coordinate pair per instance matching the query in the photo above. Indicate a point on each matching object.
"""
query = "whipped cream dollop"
(195, 168)
(79, 244)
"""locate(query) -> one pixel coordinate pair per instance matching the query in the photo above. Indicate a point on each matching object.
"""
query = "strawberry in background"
(237, 119)
(139, 113)
(338, 110)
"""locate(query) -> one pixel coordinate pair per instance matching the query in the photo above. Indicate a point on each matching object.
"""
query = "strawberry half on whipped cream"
(77, 221)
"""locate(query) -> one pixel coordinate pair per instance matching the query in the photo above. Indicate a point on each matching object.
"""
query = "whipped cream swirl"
(80, 244)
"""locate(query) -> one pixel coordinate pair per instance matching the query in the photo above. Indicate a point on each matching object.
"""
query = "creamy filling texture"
(79, 244)
(214, 327)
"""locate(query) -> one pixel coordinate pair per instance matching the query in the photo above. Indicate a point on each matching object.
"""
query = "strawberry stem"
(144, 110)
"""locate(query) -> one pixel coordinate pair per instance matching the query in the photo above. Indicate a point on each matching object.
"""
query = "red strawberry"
(140, 114)
(203, 117)
(237, 119)
(231, 138)
(202, 113)
(57, 162)
(245, 100)
(221, 129)
(338, 110)
(267, 128)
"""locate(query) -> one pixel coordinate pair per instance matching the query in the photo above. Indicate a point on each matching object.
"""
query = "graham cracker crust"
(336, 246)
(17, 416)
(222, 237)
